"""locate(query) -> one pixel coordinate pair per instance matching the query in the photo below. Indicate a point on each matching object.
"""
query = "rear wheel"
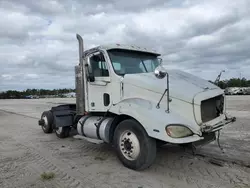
(135, 149)
(62, 132)
(47, 117)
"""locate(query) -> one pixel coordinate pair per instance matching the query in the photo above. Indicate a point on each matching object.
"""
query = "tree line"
(13, 94)
(233, 82)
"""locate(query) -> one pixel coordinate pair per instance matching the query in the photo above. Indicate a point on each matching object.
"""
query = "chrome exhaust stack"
(79, 80)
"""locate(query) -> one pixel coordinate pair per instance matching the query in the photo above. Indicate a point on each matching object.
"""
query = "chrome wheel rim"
(45, 119)
(59, 130)
(129, 145)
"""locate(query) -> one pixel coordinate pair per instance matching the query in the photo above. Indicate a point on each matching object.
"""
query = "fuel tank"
(96, 127)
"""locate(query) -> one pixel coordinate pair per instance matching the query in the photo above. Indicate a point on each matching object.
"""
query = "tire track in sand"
(32, 163)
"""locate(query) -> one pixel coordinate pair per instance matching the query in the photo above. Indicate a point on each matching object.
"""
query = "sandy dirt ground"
(26, 152)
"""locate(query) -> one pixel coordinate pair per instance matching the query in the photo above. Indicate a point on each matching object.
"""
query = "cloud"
(38, 47)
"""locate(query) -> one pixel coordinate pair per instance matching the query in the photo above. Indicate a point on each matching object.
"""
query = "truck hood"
(183, 86)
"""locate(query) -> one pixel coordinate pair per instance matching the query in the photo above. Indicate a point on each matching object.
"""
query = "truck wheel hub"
(129, 145)
(45, 125)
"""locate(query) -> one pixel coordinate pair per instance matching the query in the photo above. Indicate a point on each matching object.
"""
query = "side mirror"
(90, 75)
(160, 72)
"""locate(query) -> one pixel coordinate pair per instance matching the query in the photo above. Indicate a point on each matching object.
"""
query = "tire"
(62, 132)
(47, 116)
(135, 149)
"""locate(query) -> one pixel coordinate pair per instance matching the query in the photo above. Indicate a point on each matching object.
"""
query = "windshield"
(132, 62)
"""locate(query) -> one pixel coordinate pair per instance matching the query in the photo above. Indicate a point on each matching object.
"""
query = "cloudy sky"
(38, 48)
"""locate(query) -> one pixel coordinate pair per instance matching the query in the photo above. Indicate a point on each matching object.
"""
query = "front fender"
(155, 120)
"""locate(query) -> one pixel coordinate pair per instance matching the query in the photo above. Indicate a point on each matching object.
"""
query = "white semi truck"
(125, 97)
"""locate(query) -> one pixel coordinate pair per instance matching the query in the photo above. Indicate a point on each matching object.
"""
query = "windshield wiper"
(144, 66)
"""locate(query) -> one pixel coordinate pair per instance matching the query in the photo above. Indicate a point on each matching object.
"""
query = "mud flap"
(63, 115)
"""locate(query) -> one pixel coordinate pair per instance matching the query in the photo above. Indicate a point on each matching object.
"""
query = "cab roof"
(120, 46)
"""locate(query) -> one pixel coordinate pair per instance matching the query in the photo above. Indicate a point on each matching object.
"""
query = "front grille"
(212, 108)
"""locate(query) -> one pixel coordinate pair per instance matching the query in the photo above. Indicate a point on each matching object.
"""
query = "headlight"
(178, 131)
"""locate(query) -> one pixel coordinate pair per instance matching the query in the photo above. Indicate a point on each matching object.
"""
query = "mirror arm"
(160, 73)
(158, 104)
(168, 98)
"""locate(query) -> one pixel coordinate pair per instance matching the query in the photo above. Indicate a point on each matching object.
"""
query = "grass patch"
(47, 175)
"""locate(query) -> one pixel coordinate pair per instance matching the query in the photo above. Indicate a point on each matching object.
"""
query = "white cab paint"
(142, 92)
(137, 95)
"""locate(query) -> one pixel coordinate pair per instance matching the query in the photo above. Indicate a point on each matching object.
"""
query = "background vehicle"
(125, 97)
(237, 91)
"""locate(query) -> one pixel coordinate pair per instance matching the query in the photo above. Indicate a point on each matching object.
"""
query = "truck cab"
(126, 97)
(107, 67)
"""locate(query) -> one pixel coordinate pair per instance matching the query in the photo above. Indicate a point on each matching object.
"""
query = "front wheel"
(62, 132)
(135, 149)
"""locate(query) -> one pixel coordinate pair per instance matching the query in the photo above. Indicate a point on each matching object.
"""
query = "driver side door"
(99, 89)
